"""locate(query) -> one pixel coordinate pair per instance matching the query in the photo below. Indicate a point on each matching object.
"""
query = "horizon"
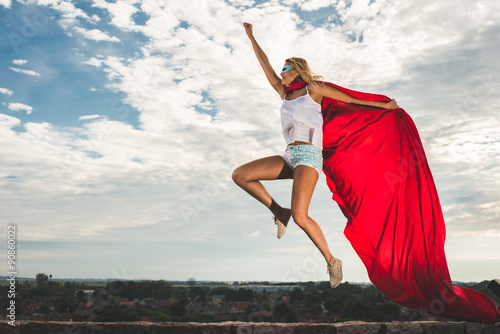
(205, 282)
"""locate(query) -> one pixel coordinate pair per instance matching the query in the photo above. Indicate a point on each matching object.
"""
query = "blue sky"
(121, 123)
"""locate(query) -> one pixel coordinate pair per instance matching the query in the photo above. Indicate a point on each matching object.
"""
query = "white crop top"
(301, 119)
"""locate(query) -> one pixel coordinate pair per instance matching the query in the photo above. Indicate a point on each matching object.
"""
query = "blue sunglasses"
(286, 68)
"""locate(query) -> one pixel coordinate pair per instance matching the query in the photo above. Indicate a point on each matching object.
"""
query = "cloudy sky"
(122, 121)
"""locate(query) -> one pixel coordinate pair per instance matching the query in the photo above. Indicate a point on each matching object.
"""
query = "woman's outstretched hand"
(248, 29)
(391, 104)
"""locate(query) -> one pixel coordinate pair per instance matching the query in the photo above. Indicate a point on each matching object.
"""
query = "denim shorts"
(307, 155)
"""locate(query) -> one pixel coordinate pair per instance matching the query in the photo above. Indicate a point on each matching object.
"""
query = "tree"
(191, 281)
(145, 289)
(297, 294)
(80, 296)
(315, 309)
(334, 305)
(41, 278)
(283, 313)
(312, 298)
(44, 309)
(199, 293)
(66, 305)
(358, 311)
(391, 310)
(117, 313)
(243, 295)
(178, 309)
(41, 284)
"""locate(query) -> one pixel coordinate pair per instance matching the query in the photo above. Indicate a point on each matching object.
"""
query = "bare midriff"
(298, 142)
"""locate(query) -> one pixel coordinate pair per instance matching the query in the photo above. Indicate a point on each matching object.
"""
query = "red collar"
(294, 86)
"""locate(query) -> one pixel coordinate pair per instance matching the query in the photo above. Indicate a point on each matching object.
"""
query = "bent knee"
(238, 176)
(299, 217)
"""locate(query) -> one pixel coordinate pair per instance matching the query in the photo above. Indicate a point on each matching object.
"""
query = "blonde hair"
(304, 70)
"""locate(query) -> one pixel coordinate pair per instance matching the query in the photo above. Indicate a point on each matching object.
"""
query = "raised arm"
(273, 78)
(334, 93)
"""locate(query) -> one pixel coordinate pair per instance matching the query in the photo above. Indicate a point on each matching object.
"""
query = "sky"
(121, 123)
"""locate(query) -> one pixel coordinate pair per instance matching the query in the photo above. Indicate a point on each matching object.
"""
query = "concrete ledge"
(230, 327)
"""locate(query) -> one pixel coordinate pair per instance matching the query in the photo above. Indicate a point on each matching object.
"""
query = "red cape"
(376, 168)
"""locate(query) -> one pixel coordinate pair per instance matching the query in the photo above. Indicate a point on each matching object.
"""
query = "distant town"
(91, 300)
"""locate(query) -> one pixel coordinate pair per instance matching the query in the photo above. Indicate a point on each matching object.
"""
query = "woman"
(377, 171)
(302, 121)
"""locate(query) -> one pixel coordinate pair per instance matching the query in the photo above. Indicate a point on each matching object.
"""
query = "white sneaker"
(335, 271)
(282, 221)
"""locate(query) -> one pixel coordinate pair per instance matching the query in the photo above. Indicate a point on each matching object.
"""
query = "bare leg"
(246, 176)
(304, 182)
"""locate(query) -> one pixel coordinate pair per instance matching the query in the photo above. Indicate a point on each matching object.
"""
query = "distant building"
(237, 307)
(148, 302)
(196, 307)
(163, 302)
(127, 303)
(260, 288)
(33, 308)
(218, 298)
(88, 294)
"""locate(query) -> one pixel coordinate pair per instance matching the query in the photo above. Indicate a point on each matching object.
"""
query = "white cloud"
(6, 3)
(6, 91)
(121, 12)
(310, 5)
(23, 71)
(254, 234)
(20, 106)
(96, 35)
(87, 117)
(7, 121)
(180, 64)
(93, 62)
(19, 61)
(69, 13)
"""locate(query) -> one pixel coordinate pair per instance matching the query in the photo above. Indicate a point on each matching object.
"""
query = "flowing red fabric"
(376, 168)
